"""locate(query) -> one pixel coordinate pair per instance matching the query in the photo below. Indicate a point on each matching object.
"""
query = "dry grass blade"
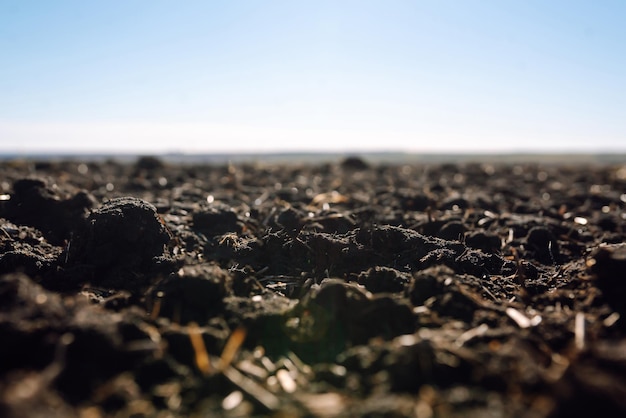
(232, 347)
(579, 331)
(471, 334)
(286, 381)
(232, 401)
(9, 236)
(520, 274)
(252, 369)
(558, 367)
(330, 197)
(520, 319)
(324, 404)
(203, 362)
(267, 363)
(303, 368)
(156, 306)
(253, 389)
(610, 320)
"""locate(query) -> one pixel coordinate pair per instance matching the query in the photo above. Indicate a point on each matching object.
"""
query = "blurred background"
(279, 76)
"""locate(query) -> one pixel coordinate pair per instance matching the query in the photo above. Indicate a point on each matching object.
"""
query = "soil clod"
(122, 244)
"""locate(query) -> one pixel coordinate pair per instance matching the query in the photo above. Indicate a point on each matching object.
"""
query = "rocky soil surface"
(335, 289)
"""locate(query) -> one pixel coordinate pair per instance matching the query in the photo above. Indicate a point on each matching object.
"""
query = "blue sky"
(223, 76)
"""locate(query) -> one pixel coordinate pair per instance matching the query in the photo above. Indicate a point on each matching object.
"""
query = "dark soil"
(350, 289)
